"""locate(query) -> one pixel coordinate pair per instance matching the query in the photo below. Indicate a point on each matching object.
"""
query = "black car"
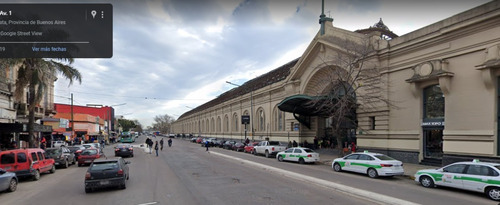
(61, 155)
(238, 146)
(228, 144)
(124, 150)
(111, 172)
(76, 150)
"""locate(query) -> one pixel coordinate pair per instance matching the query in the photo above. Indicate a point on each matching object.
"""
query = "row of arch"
(232, 122)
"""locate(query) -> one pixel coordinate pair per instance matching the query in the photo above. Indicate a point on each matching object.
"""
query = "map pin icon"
(93, 12)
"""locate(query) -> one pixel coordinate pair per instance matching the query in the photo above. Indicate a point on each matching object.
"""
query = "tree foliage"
(127, 124)
(352, 84)
(163, 123)
(37, 74)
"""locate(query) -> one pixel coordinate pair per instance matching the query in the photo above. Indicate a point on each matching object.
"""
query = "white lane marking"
(380, 198)
(148, 203)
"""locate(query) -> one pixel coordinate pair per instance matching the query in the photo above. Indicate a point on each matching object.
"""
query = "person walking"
(161, 144)
(169, 142)
(156, 148)
(206, 145)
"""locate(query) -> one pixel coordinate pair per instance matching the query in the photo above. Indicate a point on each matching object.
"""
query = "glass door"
(433, 143)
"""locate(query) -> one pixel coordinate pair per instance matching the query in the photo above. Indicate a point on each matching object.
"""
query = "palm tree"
(36, 74)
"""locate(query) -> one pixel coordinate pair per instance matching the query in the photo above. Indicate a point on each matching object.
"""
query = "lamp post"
(251, 107)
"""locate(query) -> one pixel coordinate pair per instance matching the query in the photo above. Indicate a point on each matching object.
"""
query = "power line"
(146, 98)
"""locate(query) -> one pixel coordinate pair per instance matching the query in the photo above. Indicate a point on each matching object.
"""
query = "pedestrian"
(148, 143)
(161, 144)
(315, 142)
(353, 147)
(206, 145)
(42, 146)
(247, 141)
(156, 147)
(169, 142)
(294, 144)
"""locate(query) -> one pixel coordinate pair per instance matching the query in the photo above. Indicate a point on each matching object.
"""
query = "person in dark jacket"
(161, 144)
(206, 144)
(156, 148)
(294, 143)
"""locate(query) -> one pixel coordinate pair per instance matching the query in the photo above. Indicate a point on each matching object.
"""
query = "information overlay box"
(56, 30)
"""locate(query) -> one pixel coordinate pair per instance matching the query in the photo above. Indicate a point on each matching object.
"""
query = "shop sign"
(432, 124)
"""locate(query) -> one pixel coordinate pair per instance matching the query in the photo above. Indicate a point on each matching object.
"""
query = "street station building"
(442, 81)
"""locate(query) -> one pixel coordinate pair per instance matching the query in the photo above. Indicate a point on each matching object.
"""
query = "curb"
(355, 192)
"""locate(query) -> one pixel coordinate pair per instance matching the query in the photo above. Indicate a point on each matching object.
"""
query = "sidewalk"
(328, 155)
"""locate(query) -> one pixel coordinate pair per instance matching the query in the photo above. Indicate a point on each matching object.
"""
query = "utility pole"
(72, 121)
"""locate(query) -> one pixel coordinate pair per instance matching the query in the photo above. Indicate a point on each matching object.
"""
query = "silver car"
(8, 181)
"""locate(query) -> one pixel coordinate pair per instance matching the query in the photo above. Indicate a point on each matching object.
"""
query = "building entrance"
(433, 143)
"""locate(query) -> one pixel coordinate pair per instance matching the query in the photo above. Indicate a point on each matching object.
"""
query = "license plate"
(88, 161)
(7, 168)
(104, 182)
(396, 166)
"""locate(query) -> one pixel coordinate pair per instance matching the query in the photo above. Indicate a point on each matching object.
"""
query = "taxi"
(298, 154)
(473, 176)
(372, 164)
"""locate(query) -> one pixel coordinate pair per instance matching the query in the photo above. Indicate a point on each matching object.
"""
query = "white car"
(57, 144)
(372, 164)
(298, 154)
(473, 176)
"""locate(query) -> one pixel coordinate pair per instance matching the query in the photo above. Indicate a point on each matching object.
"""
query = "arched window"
(261, 120)
(219, 124)
(433, 102)
(226, 123)
(279, 120)
(212, 122)
(235, 121)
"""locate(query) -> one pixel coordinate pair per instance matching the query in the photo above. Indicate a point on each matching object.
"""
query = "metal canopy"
(301, 104)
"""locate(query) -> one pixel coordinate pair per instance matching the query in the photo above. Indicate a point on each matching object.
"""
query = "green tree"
(127, 124)
(37, 74)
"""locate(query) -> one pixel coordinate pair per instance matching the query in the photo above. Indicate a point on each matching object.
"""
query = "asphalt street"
(186, 174)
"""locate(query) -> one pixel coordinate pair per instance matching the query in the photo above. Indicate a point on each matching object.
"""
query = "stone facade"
(458, 56)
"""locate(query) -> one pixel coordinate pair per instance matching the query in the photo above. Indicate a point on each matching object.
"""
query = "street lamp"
(251, 106)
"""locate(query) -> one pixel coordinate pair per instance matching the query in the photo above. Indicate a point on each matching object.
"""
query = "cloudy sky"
(171, 55)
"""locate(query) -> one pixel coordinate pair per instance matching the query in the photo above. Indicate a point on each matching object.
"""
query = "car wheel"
(337, 167)
(493, 193)
(426, 182)
(12, 185)
(66, 163)
(280, 158)
(372, 173)
(301, 161)
(267, 154)
(132, 155)
(53, 169)
(254, 152)
(36, 175)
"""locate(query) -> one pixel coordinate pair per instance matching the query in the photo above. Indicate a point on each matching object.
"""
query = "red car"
(249, 147)
(88, 156)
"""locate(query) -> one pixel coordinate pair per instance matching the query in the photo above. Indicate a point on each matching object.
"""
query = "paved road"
(186, 174)
(182, 174)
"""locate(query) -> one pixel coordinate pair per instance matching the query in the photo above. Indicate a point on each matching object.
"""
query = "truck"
(268, 148)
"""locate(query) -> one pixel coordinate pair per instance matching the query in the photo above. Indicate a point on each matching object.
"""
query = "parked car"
(76, 150)
(90, 145)
(193, 139)
(59, 143)
(473, 176)
(27, 162)
(228, 144)
(61, 155)
(298, 154)
(107, 173)
(88, 156)
(249, 147)
(8, 181)
(199, 140)
(238, 146)
(124, 150)
(268, 148)
(372, 164)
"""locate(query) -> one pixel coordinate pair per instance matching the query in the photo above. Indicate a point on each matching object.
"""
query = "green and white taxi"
(298, 154)
(473, 176)
(372, 164)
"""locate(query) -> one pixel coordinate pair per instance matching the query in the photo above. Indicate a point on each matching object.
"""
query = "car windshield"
(309, 150)
(384, 157)
(52, 151)
(274, 143)
(87, 146)
(106, 165)
(89, 152)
